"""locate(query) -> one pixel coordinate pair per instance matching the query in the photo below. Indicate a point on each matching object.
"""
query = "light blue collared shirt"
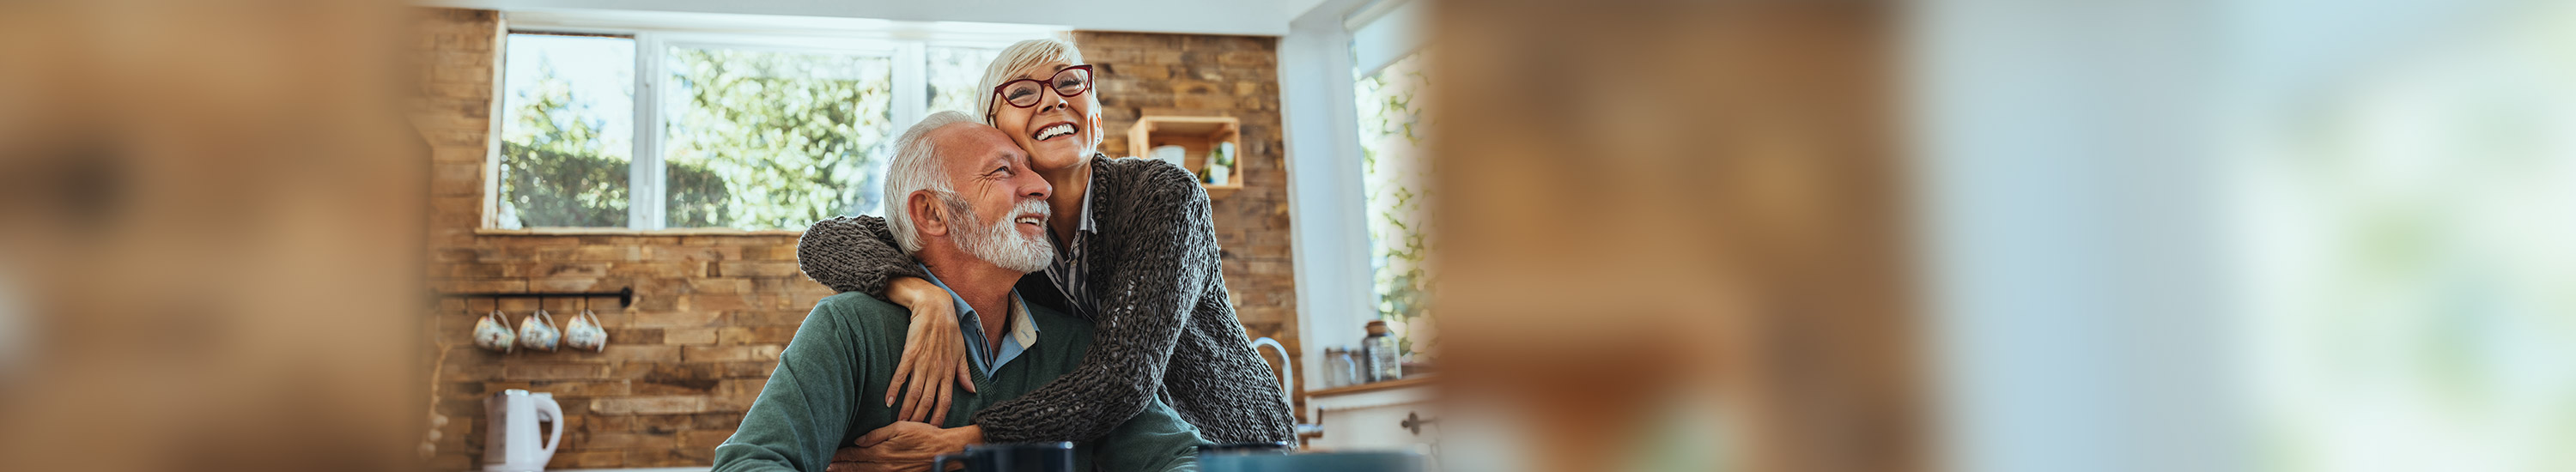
(1023, 330)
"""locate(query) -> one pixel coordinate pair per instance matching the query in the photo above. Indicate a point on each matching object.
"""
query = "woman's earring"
(538, 332)
(493, 333)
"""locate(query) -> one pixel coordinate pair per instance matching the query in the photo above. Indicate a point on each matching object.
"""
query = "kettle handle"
(1287, 366)
(548, 410)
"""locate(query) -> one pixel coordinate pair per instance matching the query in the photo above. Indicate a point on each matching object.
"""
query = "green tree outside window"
(1392, 125)
(774, 140)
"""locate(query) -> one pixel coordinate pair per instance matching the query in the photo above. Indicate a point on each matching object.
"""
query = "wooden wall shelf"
(1195, 135)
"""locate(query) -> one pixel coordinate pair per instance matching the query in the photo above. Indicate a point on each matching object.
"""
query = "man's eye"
(1006, 170)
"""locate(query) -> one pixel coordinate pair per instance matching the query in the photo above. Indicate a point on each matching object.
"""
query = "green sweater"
(818, 400)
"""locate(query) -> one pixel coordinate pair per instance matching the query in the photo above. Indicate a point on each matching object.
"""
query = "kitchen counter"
(1372, 386)
(1391, 415)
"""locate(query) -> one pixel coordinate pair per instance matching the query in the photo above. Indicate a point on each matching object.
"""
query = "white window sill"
(636, 232)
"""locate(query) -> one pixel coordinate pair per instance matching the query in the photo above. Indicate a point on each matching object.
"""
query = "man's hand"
(903, 447)
(932, 353)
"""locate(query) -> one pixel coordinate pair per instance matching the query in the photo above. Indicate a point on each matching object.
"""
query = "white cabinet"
(1385, 415)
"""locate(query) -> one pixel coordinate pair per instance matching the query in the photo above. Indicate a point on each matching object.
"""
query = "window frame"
(904, 44)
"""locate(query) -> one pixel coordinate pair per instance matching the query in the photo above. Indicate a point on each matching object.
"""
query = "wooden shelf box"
(1195, 135)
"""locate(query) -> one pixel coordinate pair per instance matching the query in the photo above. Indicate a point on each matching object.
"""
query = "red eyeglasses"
(1070, 82)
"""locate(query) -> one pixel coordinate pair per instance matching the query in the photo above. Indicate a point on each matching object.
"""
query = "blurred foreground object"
(2280, 235)
(210, 222)
(1673, 235)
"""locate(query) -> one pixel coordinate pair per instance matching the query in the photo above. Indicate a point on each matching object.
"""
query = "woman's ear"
(1096, 136)
(927, 216)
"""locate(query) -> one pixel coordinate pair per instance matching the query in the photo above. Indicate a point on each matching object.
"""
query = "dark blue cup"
(1387, 461)
(1030, 457)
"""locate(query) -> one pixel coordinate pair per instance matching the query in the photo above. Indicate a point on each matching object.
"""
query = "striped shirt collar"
(1067, 273)
(1086, 225)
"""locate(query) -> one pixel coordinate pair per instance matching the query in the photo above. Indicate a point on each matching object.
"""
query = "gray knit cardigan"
(1165, 326)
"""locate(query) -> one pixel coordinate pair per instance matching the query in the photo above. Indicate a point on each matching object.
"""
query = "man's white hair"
(1032, 53)
(917, 167)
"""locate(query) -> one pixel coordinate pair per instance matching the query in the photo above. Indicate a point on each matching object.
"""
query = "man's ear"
(928, 216)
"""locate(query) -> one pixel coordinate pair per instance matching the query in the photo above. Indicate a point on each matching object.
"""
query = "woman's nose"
(1053, 102)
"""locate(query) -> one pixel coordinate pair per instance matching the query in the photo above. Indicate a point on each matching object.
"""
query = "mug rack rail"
(625, 297)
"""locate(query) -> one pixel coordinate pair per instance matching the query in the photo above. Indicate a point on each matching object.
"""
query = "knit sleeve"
(1144, 301)
(853, 254)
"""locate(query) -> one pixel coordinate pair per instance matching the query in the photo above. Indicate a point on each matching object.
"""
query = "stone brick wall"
(710, 316)
(1146, 74)
(712, 311)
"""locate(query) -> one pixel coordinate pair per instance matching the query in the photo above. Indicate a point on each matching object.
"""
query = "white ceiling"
(1243, 17)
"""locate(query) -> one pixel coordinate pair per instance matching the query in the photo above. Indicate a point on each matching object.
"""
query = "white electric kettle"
(510, 442)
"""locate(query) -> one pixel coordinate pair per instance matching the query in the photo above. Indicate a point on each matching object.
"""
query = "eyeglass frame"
(1048, 84)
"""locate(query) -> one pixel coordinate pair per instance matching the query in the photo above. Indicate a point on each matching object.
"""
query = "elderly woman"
(1135, 254)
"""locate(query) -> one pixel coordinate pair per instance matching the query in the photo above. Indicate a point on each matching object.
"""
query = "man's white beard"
(1002, 244)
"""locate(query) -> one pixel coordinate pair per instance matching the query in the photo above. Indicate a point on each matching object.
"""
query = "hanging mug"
(493, 333)
(538, 332)
(584, 333)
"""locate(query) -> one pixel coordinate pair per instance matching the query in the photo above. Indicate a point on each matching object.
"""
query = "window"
(954, 72)
(2406, 225)
(767, 139)
(649, 130)
(567, 130)
(1392, 128)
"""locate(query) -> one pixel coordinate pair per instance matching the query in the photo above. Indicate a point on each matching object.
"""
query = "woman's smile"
(1055, 130)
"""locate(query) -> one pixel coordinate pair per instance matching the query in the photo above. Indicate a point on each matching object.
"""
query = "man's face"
(1005, 201)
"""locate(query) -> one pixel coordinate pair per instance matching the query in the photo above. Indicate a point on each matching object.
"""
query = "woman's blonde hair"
(1032, 53)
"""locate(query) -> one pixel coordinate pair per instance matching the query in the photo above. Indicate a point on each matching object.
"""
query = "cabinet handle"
(1414, 421)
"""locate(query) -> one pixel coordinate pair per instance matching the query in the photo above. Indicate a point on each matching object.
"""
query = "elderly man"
(961, 199)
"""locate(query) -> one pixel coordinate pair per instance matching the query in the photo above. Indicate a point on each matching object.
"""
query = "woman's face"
(1058, 131)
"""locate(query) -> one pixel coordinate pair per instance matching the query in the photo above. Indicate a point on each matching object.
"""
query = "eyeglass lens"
(1067, 83)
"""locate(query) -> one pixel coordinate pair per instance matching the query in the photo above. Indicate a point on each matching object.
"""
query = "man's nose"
(1033, 186)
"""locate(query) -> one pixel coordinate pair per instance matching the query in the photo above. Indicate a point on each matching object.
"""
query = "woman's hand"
(933, 352)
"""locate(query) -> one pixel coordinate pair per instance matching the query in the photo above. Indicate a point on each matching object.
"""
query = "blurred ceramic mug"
(584, 333)
(493, 333)
(538, 332)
